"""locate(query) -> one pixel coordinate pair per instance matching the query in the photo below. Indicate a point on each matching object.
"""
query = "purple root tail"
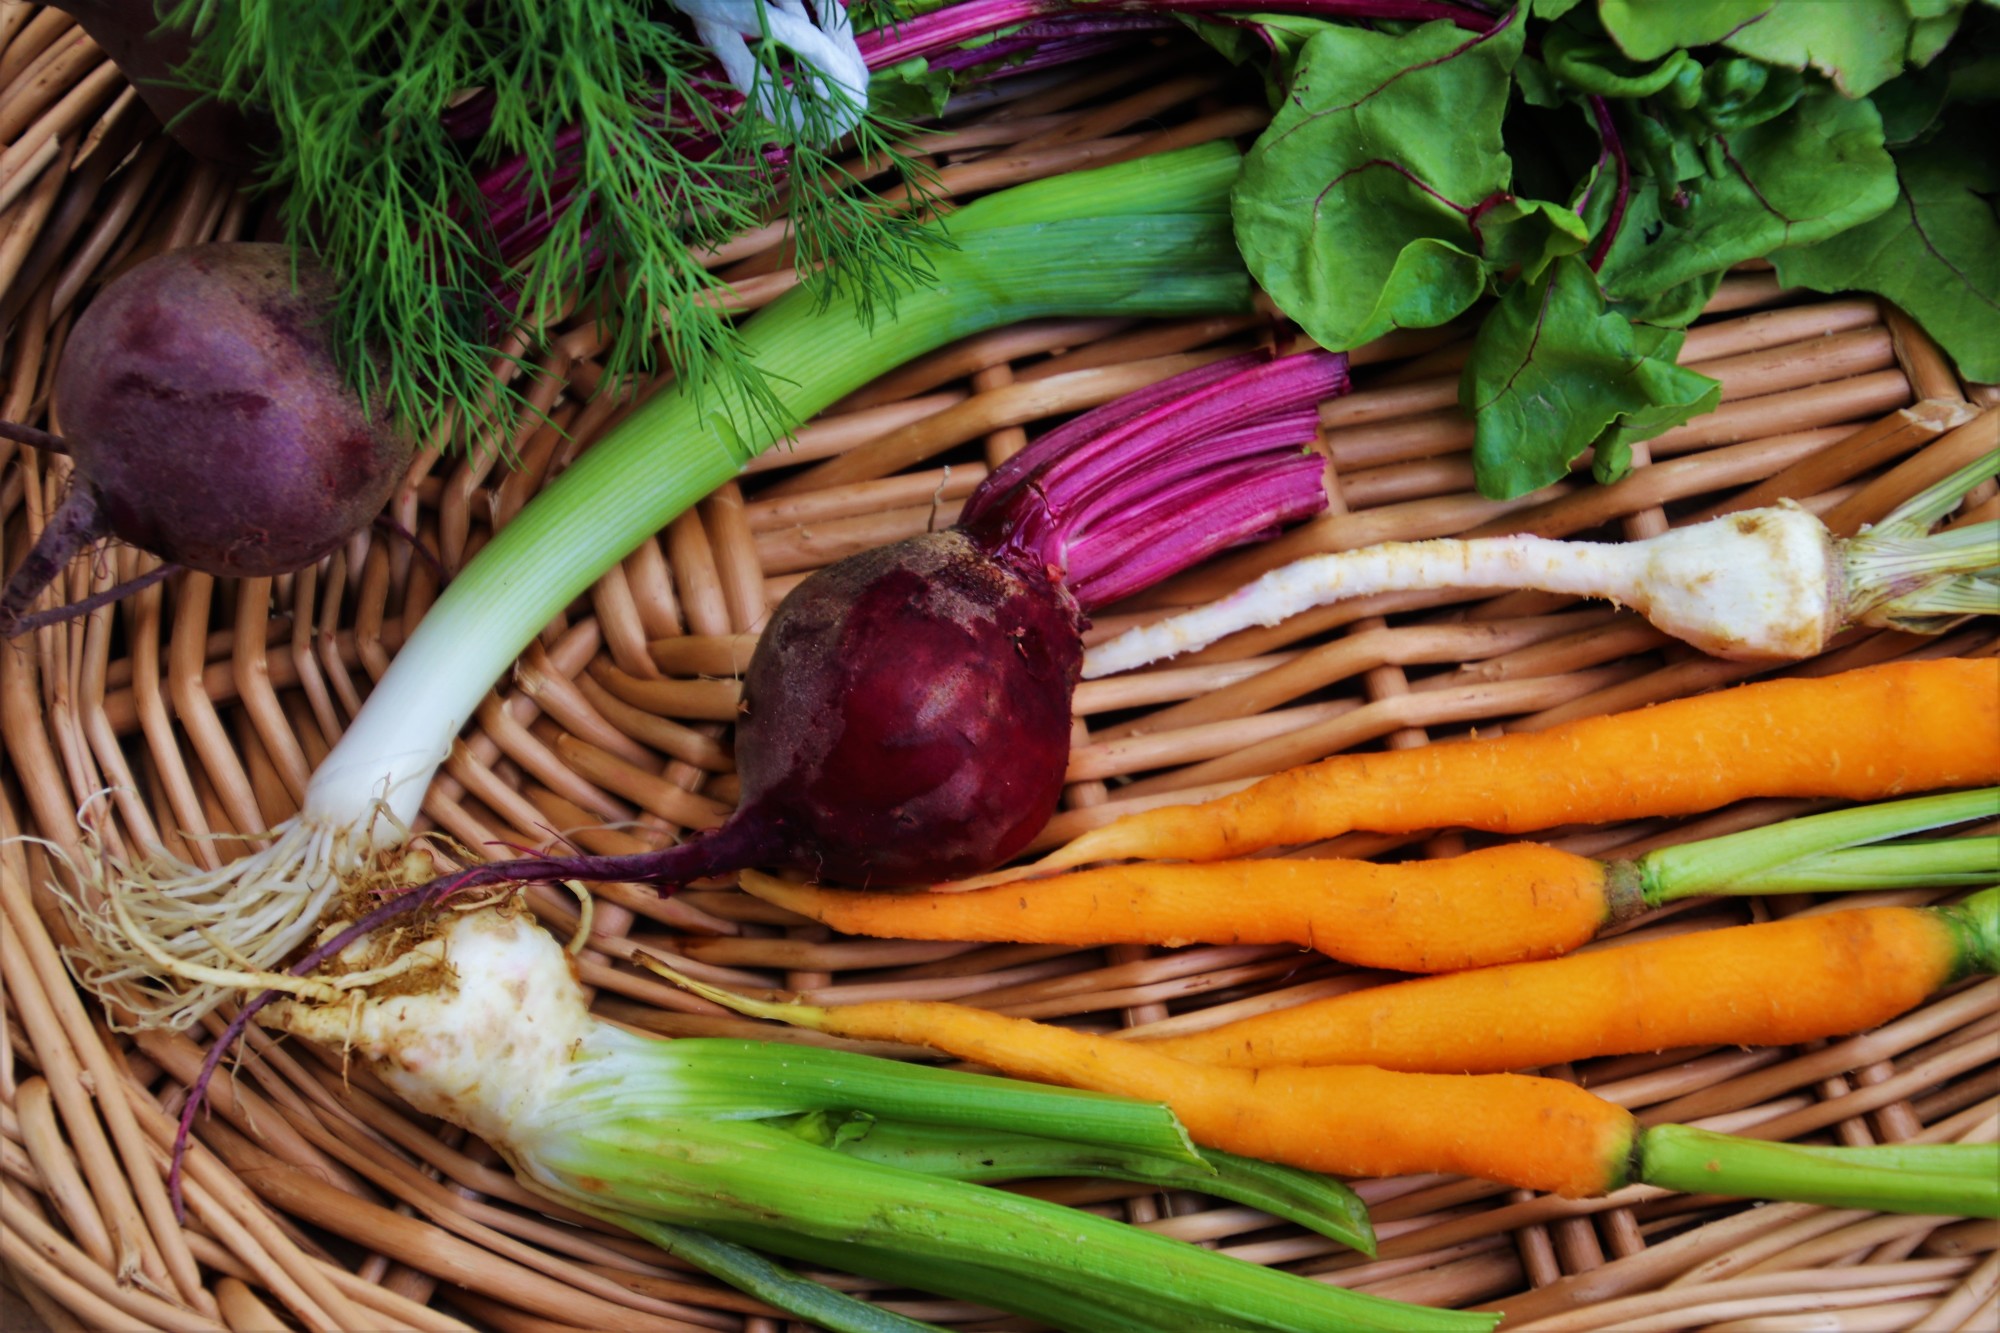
(118, 592)
(77, 522)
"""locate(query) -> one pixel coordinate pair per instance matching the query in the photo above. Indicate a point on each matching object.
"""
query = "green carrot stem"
(1316, 1202)
(1938, 1159)
(1977, 924)
(1948, 863)
(1960, 1179)
(1723, 865)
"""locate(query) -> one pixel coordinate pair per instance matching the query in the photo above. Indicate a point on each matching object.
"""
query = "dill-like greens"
(479, 172)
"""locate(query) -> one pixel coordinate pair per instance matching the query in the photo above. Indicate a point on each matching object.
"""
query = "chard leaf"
(1795, 180)
(1934, 24)
(1268, 42)
(1936, 254)
(1353, 210)
(1580, 56)
(1677, 306)
(1528, 234)
(1553, 372)
(1911, 105)
(1648, 29)
(1538, 86)
(1859, 44)
(1674, 392)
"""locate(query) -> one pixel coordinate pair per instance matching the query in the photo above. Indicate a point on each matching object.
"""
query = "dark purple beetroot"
(907, 711)
(210, 424)
(907, 714)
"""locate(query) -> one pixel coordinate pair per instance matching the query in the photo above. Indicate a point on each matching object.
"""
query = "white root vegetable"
(1762, 584)
(710, 1146)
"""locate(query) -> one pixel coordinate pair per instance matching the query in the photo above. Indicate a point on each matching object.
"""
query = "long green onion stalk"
(1150, 237)
(709, 1146)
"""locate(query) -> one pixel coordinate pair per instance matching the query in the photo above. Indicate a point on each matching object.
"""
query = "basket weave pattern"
(190, 716)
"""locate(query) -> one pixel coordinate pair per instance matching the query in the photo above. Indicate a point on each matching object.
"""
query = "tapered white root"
(1765, 583)
(164, 942)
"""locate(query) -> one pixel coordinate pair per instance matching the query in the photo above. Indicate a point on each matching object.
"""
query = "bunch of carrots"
(1413, 1076)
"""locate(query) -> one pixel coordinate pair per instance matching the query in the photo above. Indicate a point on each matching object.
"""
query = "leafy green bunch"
(1597, 167)
(478, 173)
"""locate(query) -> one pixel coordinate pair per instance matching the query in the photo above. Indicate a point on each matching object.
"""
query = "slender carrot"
(1771, 984)
(1500, 904)
(1529, 1132)
(1860, 735)
(1537, 1133)
(1520, 900)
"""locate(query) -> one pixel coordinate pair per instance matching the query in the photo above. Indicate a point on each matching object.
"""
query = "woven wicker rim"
(319, 1202)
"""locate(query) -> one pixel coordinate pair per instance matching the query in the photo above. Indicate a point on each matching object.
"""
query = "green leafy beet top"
(1595, 168)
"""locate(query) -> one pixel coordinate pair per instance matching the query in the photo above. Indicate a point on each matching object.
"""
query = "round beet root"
(200, 397)
(907, 714)
(210, 423)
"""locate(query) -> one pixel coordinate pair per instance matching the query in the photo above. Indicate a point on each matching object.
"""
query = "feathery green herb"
(479, 173)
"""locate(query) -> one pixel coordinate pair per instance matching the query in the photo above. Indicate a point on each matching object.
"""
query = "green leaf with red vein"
(1353, 210)
(1795, 180)
(1553, 372)
(1935, 253)
(1859, 44)
(1648, 29)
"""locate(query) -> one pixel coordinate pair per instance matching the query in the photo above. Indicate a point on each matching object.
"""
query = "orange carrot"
(1519, 900)
(1864, 734)
(1772, 984)
(1501, 904)
(1535, 1133)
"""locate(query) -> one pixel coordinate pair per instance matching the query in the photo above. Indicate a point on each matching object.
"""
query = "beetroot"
(210, 424)
(907, 711)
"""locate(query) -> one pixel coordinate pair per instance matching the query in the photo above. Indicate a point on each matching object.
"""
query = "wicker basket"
(318, 1202)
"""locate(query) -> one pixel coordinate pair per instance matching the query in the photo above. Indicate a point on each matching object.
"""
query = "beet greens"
(1599, 167)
